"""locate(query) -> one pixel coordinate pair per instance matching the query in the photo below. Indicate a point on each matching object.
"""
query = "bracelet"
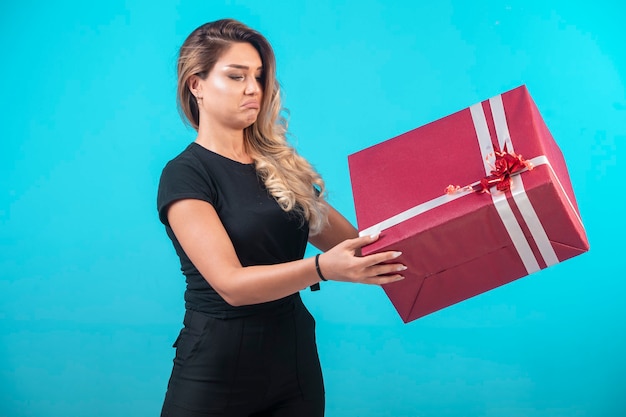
(317, 267)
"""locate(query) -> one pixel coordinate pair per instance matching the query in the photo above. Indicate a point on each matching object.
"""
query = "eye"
(236, 77)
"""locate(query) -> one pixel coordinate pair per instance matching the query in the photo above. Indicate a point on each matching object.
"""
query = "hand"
(341, 263)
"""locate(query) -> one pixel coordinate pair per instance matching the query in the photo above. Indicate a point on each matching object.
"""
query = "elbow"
(240, 298)
(231, 298)
(236, 291)
(231, 293)
(234, 301)
(234, 298)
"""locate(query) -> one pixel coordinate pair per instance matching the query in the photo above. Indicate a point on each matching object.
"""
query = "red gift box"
(473, 238)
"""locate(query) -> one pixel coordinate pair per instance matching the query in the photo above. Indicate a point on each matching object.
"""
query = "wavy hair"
(288, 177)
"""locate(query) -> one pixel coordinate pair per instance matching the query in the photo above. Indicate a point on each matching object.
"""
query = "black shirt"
(261, 232)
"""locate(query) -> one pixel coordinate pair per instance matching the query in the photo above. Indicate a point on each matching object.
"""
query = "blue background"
(90, 288)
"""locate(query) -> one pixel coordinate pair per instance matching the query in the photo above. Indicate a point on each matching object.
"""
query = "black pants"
(261, 365)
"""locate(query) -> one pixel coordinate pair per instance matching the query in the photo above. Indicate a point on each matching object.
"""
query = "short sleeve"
(183, 178)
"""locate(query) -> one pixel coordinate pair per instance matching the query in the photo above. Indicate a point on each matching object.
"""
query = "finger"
(359, 242)
(385, 269)
(381, 257)
(387, 279)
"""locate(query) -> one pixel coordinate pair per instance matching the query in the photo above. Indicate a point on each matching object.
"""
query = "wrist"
(318, 269)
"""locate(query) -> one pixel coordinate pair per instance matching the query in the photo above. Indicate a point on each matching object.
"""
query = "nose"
(253, 86)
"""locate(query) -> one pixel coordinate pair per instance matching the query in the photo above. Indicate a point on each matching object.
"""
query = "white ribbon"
(434, 203)
(499, 199)
(517, 187)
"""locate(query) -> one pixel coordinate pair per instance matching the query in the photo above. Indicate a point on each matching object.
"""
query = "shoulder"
(191, 163)
(185, 160)
(185, 176)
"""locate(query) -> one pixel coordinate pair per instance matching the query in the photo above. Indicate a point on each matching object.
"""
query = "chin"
(249, 123)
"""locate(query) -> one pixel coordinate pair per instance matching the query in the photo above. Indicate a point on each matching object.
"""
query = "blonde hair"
(288, 177)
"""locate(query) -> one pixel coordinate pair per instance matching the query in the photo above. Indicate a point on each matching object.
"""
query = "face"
(232, 92)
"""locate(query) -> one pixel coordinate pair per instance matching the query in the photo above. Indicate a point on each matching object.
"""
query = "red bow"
(506, 165)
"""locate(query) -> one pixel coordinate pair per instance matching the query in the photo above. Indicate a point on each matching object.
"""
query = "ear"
(194, 85)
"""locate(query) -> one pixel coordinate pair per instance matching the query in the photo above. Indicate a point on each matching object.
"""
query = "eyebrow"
(244, 67)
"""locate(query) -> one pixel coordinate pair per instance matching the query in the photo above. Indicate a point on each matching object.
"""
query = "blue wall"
(90, 290)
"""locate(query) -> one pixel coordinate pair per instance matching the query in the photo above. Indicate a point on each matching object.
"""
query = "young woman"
(240, 205)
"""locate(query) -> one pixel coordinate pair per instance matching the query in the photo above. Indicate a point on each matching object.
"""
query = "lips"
(252, 104)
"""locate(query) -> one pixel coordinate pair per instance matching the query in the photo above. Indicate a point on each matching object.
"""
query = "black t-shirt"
(261, 232)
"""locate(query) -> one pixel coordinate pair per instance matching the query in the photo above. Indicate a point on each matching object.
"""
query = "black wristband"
(317, 267)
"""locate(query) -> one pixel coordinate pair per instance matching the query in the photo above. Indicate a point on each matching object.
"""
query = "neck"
(226, 142)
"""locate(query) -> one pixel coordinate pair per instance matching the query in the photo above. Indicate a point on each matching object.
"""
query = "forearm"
(262, 283)
(257, 284)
